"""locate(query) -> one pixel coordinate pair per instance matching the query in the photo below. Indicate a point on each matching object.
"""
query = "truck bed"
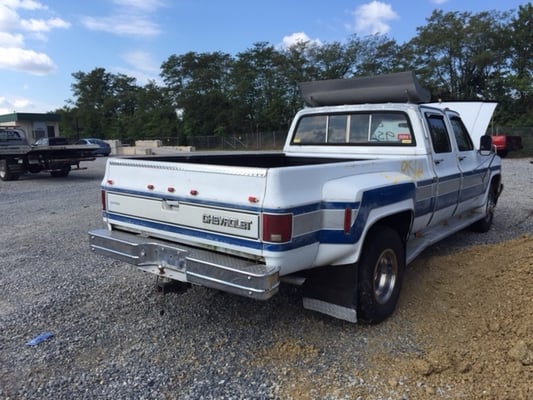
(252, 160)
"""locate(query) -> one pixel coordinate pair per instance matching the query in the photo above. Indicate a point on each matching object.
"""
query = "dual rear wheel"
(380, 274)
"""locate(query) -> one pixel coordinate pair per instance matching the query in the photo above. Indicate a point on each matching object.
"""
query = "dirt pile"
(473, 313)
(471, 316)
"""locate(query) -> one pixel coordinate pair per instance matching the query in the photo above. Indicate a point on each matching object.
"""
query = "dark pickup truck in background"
(52, 155)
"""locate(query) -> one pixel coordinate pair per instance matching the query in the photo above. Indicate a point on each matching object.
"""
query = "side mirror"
(485, 145)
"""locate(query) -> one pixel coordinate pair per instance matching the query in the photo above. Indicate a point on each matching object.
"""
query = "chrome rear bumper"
(188, 264)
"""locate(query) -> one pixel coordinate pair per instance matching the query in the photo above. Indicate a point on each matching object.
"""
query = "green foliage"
(459, 56)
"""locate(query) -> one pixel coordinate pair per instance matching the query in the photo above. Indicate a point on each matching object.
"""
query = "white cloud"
(24, 4)
(298, 37)
(5, 106)
(130, 18)
(372, 18)
(19, 104)
(142, 66)
(26, 60)
(41, 25)
(9, 19)
(10, 104)
(142, 60)
(124, 25)
(8, 39)
(144, 5)
(13, 28)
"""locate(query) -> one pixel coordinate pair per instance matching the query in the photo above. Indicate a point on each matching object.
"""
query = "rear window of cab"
(359, 129)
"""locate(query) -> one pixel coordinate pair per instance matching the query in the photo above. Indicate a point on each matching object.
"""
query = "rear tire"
(380, 273)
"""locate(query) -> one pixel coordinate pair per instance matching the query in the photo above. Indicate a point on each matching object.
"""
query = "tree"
(259, 89)
(113, 106)
(459, 53)
(373, 55)
(198, 85)
(520, 83)
(91, 91)
(154, 116)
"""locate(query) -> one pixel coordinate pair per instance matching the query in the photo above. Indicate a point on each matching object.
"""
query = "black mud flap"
(332, 290)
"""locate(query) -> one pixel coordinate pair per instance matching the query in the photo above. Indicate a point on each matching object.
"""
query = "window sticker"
(404, 137)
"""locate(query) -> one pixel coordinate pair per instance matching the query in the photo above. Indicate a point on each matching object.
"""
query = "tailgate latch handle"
(171, 204)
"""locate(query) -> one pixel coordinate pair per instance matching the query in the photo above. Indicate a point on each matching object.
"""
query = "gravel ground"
(115, 337)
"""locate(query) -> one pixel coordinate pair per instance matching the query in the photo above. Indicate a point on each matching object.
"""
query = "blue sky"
(42, 42)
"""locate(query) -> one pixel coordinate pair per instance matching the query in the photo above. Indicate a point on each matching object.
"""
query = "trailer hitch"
(164, 286)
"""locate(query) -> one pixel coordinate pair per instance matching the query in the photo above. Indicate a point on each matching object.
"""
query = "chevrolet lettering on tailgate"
(224, 221)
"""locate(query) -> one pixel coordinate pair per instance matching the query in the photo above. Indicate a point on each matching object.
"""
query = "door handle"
(439, 160)
(461, 158)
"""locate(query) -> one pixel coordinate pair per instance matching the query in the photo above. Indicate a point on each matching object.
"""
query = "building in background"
(36, 125)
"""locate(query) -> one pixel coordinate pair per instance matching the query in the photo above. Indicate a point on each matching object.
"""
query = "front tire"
(380, 272)
(484, 224)
(6, 172)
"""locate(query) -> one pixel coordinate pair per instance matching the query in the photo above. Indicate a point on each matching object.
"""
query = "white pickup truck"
(371, 174)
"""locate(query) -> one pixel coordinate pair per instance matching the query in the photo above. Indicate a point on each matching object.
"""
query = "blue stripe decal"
(449, 177)
(472, 192)
(371, 199)
(424, 206)
(299, 241)
(447, 200)
(304, 209)
(479, 188)
(426, 182)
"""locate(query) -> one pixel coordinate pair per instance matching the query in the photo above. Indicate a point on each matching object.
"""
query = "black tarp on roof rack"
(399, 87)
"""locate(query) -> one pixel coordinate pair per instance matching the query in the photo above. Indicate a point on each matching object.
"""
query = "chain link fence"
(250, 141)
(275, 141)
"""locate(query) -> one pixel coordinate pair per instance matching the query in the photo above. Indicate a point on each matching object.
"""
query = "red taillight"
(277, 227)
(347, 220)
(103, 198)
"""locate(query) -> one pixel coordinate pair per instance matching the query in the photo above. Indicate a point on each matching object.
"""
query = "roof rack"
(396, 87)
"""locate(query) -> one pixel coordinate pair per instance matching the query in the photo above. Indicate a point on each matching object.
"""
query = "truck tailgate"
(181, 201)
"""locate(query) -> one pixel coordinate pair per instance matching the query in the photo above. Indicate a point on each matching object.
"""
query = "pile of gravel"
(115, 337)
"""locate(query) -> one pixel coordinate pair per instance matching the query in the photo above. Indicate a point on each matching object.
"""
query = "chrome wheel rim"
(385, 275)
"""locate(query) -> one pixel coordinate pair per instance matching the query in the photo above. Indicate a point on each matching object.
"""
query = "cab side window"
(439, 134)
(464, 142)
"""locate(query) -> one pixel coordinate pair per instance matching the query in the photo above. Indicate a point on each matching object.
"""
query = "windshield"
(368, 128)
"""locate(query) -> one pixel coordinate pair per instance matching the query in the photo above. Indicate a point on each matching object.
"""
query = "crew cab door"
(446, 167)
(471, 192)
